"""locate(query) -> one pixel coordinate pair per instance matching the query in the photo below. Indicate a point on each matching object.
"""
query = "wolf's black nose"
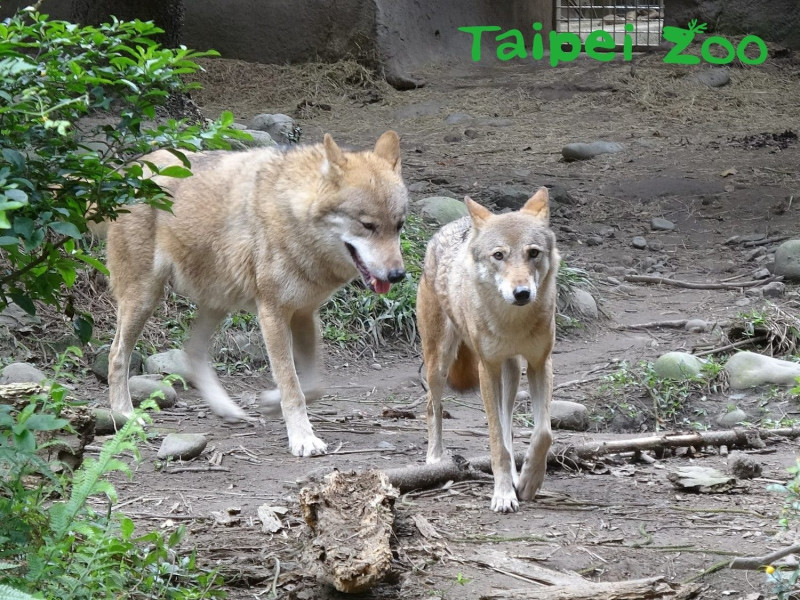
(522, 294)
(396, 275)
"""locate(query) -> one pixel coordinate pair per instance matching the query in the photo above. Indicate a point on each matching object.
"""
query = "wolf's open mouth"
(379, 286)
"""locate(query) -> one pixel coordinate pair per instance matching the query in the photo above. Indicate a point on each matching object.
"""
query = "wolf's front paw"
(505, 503)
(307, 445)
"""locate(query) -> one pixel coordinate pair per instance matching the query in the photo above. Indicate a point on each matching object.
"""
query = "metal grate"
(582, 17)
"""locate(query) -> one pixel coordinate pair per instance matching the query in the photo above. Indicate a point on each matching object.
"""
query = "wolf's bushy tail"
(463, 374)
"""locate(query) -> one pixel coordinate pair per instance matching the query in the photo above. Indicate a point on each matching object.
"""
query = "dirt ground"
(686, 160)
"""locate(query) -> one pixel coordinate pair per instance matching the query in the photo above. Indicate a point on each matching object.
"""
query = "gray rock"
(696, 325)
(787, 260)
(144, 386)
(281, 128)
(452, 138)
(659, 224)
(761, 274)
(236, 345)
(732, 417)
(703, 480)
(559, 194)
(419, 186)
(584, 303)
(775, 289)
(376, 366)
(107, 422)
(569, 415)
(510, 196)
(594, 240)
(472, 133)
(748, 370)
(455, 118)
(523, 400)
(713, 77)
(414, 111)
(182, 446)
(442, 209)
(743, 466)
(100, 363)
(497, 122)
(755, 253)
(61, 344)
(584, 151)
(17, 319)
(166, 363)
(639, 242)
(678, 366)
(21, 373)
(261, 139)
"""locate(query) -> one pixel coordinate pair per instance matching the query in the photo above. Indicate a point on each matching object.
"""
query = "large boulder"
(678, 366)
(787, 259)
(748, 370)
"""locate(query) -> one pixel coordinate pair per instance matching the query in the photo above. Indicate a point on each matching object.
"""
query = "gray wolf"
(486, 298)
(275, 231)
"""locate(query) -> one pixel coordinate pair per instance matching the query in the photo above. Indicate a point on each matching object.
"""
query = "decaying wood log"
(426, 476)
(654, 588)
(351, 516)
(66, 447)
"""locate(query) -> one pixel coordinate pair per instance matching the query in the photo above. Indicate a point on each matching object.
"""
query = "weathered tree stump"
(63, 446)
(351, 516)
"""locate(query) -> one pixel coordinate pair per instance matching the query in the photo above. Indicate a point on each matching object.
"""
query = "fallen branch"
(677, 324)
(415, 477)
(698, 286)
(757, 563)
(636, 589)
(351, 517)
(726, 347)
(766, 241)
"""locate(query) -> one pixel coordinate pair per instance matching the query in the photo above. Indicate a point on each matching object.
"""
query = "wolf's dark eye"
(369, 226)
(533, 253)
(497, 255)
(400, 225)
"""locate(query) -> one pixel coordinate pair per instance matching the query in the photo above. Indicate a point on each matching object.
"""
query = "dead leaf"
(704, 480)
(270, 521)
(728, 172)
(225, 518)
(425, 528)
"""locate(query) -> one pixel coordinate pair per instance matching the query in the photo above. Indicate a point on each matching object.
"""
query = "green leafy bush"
(54, 545)
(78, 109)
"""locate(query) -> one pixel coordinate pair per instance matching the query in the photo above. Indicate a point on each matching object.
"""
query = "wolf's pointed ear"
(478, 213)
(388, 148)
(538, 205)
(334, 158)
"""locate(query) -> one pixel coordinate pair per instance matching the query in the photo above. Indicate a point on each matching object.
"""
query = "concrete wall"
(403, 34)
(412, 33)
(774, 20)
(281, 31)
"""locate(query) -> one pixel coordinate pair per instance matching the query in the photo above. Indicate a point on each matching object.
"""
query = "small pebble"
(639, 242)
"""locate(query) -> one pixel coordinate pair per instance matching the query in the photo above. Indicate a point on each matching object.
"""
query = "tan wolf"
(275, 231)
(487, 297)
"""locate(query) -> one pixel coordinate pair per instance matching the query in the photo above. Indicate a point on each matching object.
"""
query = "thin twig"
(698, 286)
(678, 324)
(738, 344)
(755, 563)
(196, 469)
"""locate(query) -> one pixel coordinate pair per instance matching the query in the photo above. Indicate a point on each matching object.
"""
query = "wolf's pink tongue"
(381, 287)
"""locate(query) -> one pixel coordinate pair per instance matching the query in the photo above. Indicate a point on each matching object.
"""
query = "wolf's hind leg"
(135, 305)
(511, 373)
(203, 376)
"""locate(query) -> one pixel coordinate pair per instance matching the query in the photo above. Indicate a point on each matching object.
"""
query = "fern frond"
(9, 593)
(88, 479)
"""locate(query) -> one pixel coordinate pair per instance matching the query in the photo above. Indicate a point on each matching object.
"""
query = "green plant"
(669, 399)
(784, 581)
(55, 545)
(78, 111)
(353, 316)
